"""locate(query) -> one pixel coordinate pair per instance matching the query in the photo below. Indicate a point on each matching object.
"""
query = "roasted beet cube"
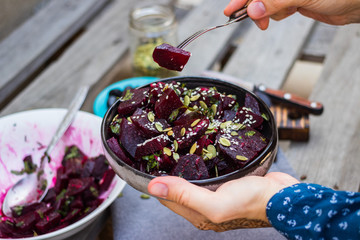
(191, 167)
(201, 143)
(78, 185)
(152, 145)
(252, 103)
(48, 222)
(62, 180)
(73, 167)
(100, 167)
(73, 152)
(27, 221)
(234, 148)
(142, 122)
(44, 210)
(72, 215)
(187, 135)
(88, 168)
(50, 196)
(167, 102)
(171, 57)
(253, 139)
(118, 150)
(26, 208)
(130, 137)
(247, 117)
(228, 102)
(229, 115)
(91, 193)
(188, 118)
(133, 99)
(77, 202)
(106, 181)
(166, 163)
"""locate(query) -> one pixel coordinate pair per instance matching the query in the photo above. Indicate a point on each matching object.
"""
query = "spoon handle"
(68, 119)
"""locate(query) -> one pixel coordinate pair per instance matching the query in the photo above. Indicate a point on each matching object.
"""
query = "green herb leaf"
(128, 95)
(18, 210)
(145, 196)
(250, 133)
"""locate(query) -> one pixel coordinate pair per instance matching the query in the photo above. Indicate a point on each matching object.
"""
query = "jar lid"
(151, 18)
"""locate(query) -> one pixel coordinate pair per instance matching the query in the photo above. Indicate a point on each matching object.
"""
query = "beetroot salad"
(168, 129)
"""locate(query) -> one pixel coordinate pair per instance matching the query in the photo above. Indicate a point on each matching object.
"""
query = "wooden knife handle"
(301, 103)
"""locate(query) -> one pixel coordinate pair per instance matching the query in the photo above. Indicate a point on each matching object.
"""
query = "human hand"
(240, 203)
(328, 11)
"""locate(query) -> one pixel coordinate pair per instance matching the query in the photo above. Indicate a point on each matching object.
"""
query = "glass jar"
(151, 25)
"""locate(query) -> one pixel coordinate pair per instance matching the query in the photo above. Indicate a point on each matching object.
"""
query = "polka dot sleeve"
(310, 211)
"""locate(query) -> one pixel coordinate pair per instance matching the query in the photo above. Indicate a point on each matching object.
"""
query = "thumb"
(182, 192)
(279, 9)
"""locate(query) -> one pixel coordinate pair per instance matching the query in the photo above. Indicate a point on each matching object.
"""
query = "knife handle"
(312, 107)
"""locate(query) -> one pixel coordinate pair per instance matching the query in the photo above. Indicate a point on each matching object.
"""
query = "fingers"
(184, 193)
(233, 6)
(282, 179)
(261, 10)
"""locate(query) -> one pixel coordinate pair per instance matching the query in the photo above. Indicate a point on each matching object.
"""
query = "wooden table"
(44, 61)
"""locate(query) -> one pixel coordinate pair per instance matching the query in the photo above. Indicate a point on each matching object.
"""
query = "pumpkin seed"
(129, 119)
(151, 116)
(213, 109)
(176, 145)
(193, 148)
(166, 87)
(209, 156)
(176, 156)
(241, 158)
(265, 116)
(225, 142)
(195, 97)
(194, 123)
(167, 129)
(233, 133)
(238, 126)
(167, 151)
(173, 115)
(182, 131)
(195, 107)
(158, 127)
(186, 100)
(212, 150)
(225, 124)
(203, 105)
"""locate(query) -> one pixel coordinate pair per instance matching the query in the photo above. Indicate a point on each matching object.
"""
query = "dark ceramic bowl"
(259, 166)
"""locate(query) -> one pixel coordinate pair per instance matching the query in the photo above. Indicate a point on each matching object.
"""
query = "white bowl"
(29, 132)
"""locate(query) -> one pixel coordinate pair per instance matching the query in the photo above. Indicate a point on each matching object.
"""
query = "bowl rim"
(215, 180)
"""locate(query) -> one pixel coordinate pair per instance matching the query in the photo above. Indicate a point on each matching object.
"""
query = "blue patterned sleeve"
(311, 211)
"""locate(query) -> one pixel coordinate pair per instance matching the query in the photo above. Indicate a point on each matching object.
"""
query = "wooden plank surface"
(34, 42)
(267, 56)
(318, 44)
(331, 157)
(207, 47)
(89, 58)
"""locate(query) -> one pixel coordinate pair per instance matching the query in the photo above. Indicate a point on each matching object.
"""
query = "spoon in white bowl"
(31, 188)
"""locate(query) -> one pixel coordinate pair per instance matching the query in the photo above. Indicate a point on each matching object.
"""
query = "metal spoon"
(237, 16)
(28, 189)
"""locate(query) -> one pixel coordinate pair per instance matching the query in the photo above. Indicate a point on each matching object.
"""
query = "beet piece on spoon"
(171, 57)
